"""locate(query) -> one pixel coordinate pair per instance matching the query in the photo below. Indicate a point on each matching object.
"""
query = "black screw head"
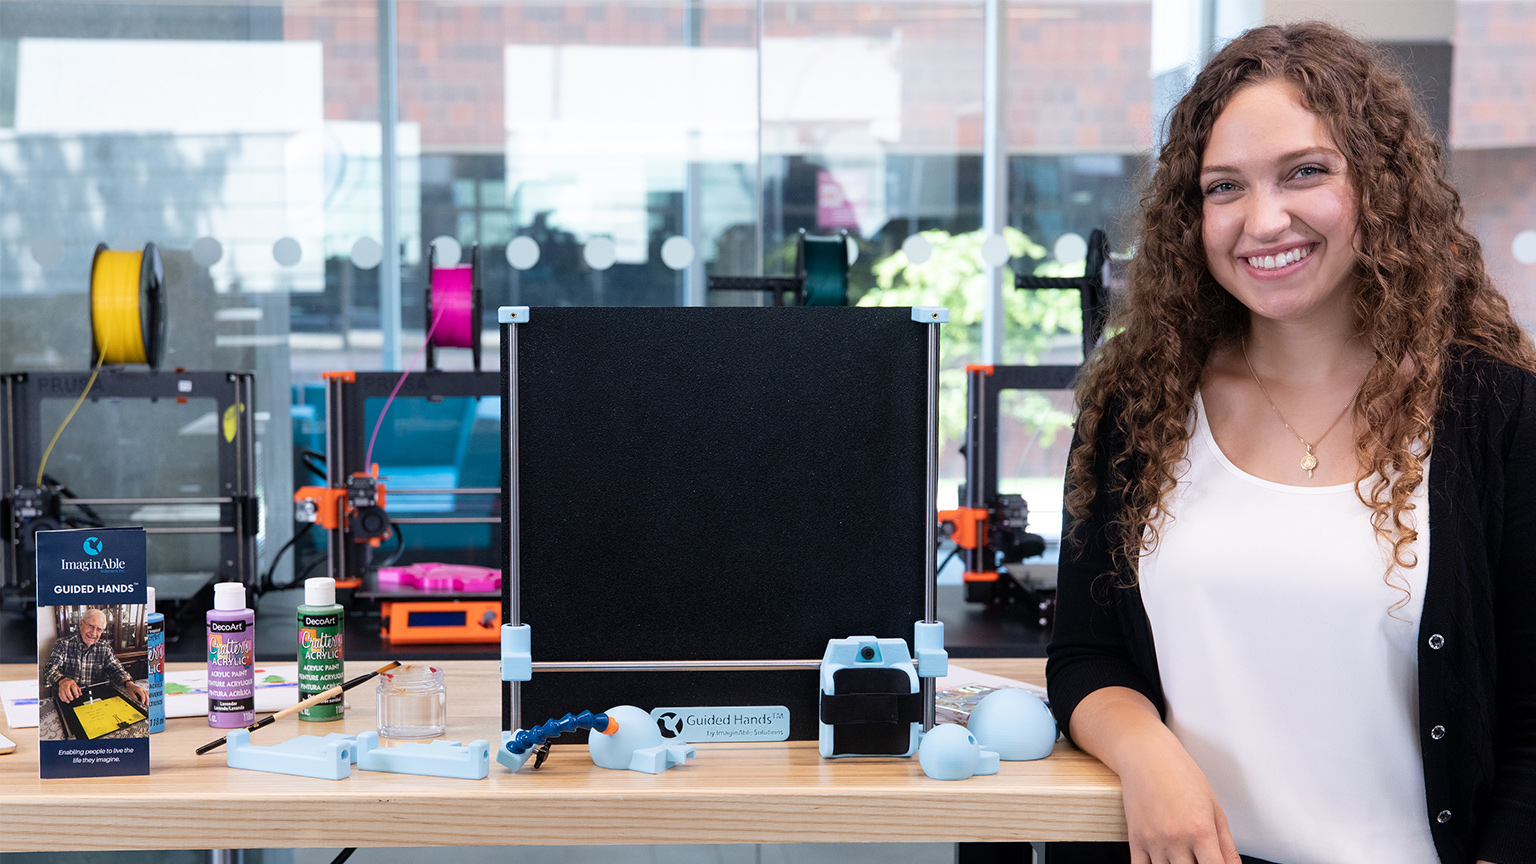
(866, 653)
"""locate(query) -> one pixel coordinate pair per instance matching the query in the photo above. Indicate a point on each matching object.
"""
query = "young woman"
(1297, 600)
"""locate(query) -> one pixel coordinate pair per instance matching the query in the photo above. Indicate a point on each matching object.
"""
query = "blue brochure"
(92, 653)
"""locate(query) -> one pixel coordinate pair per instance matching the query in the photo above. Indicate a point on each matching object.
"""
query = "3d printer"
(990, 529)
(359, 510)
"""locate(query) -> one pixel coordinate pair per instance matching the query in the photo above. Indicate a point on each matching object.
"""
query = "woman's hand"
(1171, 814)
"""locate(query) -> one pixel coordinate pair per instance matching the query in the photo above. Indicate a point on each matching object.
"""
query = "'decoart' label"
(729, 723)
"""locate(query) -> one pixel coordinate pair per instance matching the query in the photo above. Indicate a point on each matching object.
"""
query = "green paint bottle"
(320, 625)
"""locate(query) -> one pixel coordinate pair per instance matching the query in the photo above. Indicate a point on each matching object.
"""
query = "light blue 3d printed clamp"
(325, 758)
(930, 314)
(516, 651)
(928, 642)
(512, 315)
(434, 759)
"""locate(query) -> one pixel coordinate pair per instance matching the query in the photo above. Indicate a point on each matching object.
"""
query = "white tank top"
(1288, 678)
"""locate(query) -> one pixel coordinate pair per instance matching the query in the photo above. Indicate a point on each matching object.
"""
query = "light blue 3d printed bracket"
(930, 314)
(516, 656)
(325, 758)
(512, 315)
(434, 759)
(932, 659)
(504, 754)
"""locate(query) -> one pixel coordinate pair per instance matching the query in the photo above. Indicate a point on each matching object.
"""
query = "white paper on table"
(20, 698)
(186, 694)
(960, 676)
(186, 690)
(957, 693)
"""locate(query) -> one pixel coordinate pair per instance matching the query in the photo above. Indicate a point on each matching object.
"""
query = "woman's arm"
(1103, 691)
(1171, 814)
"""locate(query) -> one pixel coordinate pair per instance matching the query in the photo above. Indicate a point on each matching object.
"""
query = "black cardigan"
(1477, 715)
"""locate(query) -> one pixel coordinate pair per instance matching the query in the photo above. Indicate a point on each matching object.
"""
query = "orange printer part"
(440, 622)
(969, 526)
(322, 505)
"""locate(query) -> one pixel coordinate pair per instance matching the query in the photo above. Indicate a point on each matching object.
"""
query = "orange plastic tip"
(346, 375)
(985, 369)
(973, 576)
(613, 726)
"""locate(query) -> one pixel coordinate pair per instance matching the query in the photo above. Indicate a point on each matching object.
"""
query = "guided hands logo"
(670, 725)
(92, 546)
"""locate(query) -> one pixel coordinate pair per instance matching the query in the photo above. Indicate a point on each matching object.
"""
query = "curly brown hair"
(1420, 289)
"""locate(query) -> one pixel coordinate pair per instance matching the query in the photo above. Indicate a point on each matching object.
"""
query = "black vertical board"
(716, 484)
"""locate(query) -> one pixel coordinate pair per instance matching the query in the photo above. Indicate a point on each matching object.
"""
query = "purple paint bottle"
(231, 659)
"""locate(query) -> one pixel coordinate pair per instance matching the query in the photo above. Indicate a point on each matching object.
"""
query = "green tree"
(954, 277)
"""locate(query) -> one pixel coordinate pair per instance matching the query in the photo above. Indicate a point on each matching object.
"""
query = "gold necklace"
(1308, 459)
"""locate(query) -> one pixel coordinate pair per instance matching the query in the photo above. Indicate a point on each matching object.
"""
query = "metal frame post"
(389, 185)
(994, 172)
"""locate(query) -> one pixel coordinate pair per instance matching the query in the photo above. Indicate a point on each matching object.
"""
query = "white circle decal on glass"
(994, 251)
(47, 251)
(448, 250)
(287, 252)
(1525, 247)
(600, 253)
(523, 252)
(367, 253)
(1070, 248)
(677, 252)
(853, 252)
(917, 249)
(207, 251)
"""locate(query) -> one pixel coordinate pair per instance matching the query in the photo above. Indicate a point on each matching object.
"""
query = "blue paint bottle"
(156, 641)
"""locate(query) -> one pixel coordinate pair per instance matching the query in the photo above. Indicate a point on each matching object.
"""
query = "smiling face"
(92, 625)
(1279, 214)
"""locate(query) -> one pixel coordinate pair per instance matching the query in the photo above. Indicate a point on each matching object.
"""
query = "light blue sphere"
(949, 752)
(637, 731)
(1015, 723)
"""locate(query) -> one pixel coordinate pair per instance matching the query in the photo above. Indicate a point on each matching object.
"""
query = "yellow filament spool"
(126, 320)
(127, 324)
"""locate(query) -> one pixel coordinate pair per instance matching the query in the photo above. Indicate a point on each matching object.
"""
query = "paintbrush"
(294, 709)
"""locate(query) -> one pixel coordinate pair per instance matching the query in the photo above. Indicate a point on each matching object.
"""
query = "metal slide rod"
(97, 502)
(447, 520)
(678, 666)
(930, 566)
(467, 490)
(513, 507)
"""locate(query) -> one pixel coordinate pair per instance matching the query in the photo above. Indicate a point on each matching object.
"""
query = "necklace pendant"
(1308, 462)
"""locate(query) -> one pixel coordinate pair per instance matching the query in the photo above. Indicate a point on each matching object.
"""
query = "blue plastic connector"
(524, 740)
(512, 315)
(928, 645)
(930, 314)
(516, 652)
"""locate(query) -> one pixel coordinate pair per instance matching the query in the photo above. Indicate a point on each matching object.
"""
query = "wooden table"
(732, 793)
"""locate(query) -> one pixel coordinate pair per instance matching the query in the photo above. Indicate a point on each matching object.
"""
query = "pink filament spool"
(453, 307)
